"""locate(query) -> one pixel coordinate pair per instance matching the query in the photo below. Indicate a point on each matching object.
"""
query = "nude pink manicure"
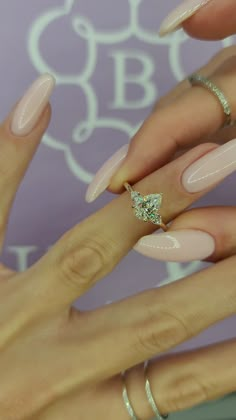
(31, 106)
(179, 246)
(183, 12)
(102, 178)
(211, 168)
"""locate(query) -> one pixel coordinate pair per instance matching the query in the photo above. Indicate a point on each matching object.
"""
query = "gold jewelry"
(146, 207)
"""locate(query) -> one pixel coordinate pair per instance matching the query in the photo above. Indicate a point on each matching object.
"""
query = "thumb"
(203, 19)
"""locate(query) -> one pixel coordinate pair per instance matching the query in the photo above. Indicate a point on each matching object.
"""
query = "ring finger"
(178, 381)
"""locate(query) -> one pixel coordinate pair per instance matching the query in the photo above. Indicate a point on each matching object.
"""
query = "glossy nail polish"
(211, 168)
(184, 11)
(179, 246)
(31, 106)
(102, 178)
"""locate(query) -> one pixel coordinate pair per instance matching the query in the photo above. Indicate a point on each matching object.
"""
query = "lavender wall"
(87, 45)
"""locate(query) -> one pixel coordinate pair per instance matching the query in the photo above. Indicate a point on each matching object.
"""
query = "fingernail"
(179, 246)
(184, 11)
(31, 106)
(210, 168)
(102, 178)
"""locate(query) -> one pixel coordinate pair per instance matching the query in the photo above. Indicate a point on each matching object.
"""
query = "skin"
(52, 360)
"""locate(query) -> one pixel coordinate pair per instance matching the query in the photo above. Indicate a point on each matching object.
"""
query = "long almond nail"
(102, 178)
(180, 246)
(211, 168)
(183, 12)
(31, 106)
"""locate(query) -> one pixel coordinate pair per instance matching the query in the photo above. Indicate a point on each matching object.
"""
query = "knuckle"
(82, 266)
(161, 330)
(185, 391)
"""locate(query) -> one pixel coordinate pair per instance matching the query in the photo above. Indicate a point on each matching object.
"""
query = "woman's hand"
(57, 362)
(187, 116)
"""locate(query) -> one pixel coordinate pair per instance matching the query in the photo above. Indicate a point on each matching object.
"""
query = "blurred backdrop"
(110, 66)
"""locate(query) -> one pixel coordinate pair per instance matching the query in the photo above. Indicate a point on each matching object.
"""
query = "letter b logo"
(142, 80)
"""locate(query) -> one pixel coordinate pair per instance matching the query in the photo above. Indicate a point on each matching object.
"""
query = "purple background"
(51, 197)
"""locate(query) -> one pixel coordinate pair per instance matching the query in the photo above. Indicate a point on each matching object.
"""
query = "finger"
(207, 19)
(162, 321)
(199, 234)
(194, 115)
(178, 381)
(91, 250)
(214, 63)
(222, 135)
(6, 272)
(184, 380)
(20, 135)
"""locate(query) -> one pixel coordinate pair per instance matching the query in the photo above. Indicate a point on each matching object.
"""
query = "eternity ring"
(146, 208)
(197, 79)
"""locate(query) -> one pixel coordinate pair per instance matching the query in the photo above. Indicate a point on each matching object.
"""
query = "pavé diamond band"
(196, 79)
(146, 208)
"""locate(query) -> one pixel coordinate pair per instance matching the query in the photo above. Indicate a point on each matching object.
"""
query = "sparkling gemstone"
(146, 207)
(156, 219)
(137, 198)
(153, 201)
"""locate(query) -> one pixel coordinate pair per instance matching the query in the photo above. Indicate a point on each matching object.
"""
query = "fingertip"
(37, 132)
(215, 21)
(183, 245)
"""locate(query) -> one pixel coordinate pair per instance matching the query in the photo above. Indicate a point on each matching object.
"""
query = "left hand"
(179, 311)
(55, 361)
